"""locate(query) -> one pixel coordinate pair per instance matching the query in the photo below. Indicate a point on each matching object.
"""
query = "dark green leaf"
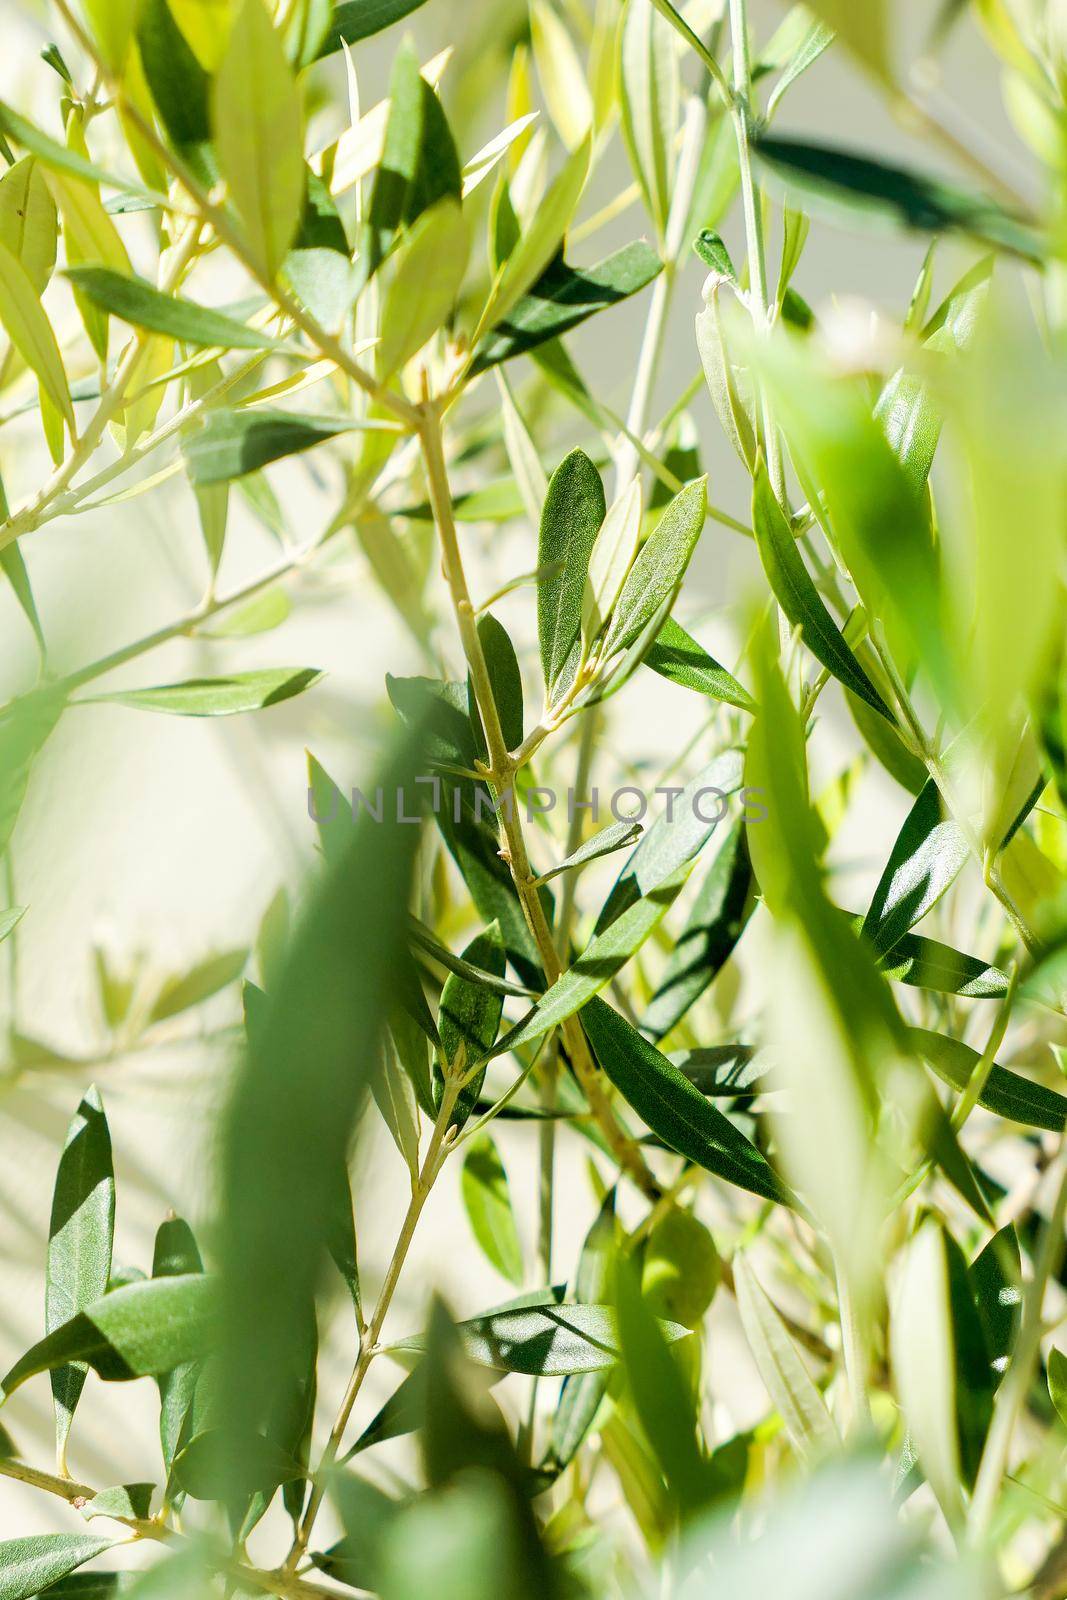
(216, 697)
(914, 199)
(1006, 1093)
(470, 1016)
(1057, 1382)
(175, 1255)
(29, 1565)
(354, 20)
(563, 297)
(200, 1468)
(80, 1237)
(504, 677)
(180, 86)
(713, 927)
(614, 837)
(996, 1276)
(673, 1108)
(126, 1502)
(925, 861)
(887, 746)
(927, 964)
(573, 511)
(726, 1070)
(137, 302)
(142, 1330)
(234, 443)
(799, 598)
(975, 1379)
(581, 1393)
(545, 1341)
(677, 655)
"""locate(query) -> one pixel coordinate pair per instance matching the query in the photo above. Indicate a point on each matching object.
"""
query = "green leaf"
(28, 224)
(563, 79)
(887, 746)
(562, 298)
(715, 923)
(470, 1016)
(912, 198)
(996, 1276)
(27, 326)
(617, 836)
(137, 302)
(793, 1392)
(799, 598)
(216, 697)
(126, 1502)
(354, 20)
(662, 1399)
(673, 1108)
(540, 241)
(610, 560)
(193, 988)
(812, 40)
(63, 159)
(571, 518)
(428, 942)
(678, 834)
(649, 95)
(259, 136)
(283, 1153)
(30, 1565)
(141, 1330)
(175, 1254)
(923, 1355)
(927, 964)
(545, 1341)
(1057, 1382)
(505, 678)
(180, 87)
(487, 1200)
(1006, 1093)
(419, 165)
(24, 729)
(657, 573)
(680, 1269)
(603, 957)
(928, 856)
(9, 920)
(200, 1468)
(234, 443)
(430, 264)
(677, 655)
(80, 1237)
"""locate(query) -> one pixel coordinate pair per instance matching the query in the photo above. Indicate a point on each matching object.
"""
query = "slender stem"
(436, 1152)
(1013, 1391)
(502, 770)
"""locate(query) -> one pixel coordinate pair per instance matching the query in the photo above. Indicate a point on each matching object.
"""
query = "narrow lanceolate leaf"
(563, 80)
(787, 1380)
(799, 598)
(259, 135)
(657, 573)
(563, 297)
(80, 1237)
(10, 919)
(927, 964)
(540, 242)
(571, 518)
(203, 981)
(235, 443)
(470, 1017)
(430, 265)
(715, 923)
(60, 157)
(354, 20)
(923, 1355)
(175, 1254)
(487, 1200)
(673, 1108)
(914, 199)
(611, 559)
(284, 1198)
(649, 94)
(546, 1341)
(928, 856)
(616, 837)
(605, 955)
(28, 224)
(137, 302)
(31, 1565)
(141, 1330)
(1006, 1093)
(678, 834)
(505, 678)
(1057, 1382)
(676, 655)
(217, 697)
(27, 326)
